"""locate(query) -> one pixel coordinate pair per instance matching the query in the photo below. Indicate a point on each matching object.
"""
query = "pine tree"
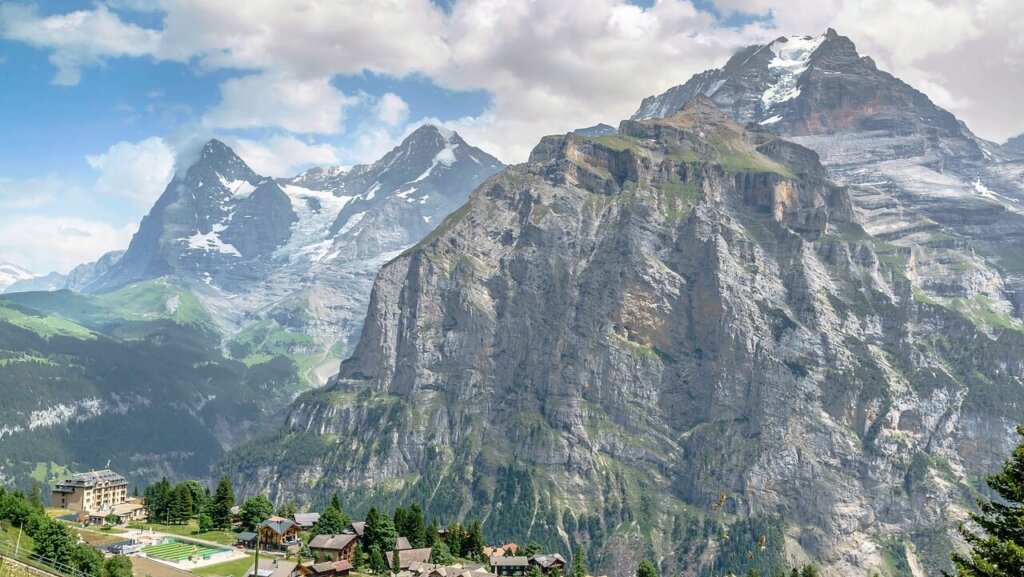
(646, 569)
(336, 502)
(455, 538)
(997, 550)
(179, 509)
(376, 561)
(331, 522)
(579, 562)
(380, 531)
(440, 554)
(223, 501)
(473, 544)
(396, 561)
(534, 571)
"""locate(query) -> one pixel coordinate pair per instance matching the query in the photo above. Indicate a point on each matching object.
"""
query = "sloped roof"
(306, 519)
(409, 556)
(332, 542)
(547, 561)
(402, 543)
(245, 536)
(279, 525)
(513, 561)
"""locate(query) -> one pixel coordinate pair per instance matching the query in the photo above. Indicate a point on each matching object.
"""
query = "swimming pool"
(177, 550)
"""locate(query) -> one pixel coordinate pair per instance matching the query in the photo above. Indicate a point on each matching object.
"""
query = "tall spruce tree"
(331, 522)
(997, 547)
(223, 501)
(179, 508)
(579, 562)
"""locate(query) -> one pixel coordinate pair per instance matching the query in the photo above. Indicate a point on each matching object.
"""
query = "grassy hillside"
(136, 377)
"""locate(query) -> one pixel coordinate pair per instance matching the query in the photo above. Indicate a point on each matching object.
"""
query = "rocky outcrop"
(606, 340)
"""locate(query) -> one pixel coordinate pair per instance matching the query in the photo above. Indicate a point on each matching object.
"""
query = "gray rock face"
(292, 260)
(630, 327)
(1015, 146)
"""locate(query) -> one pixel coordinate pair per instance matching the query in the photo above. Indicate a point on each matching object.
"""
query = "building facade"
(92, 491)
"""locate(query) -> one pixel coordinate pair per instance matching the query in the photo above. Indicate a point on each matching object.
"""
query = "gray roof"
(332, 542)
(278, 524)
(245, 536)
(515, 561)
(307, 519)
(357, 528)
(93, 478)
(402, 544)
(547, 561)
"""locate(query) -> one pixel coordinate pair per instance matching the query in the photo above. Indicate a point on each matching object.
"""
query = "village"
(187, 531)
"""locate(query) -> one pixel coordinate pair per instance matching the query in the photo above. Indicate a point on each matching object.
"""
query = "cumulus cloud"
(76, 39)
(391, 109)
(271, 100)
(281, 156)
(138, 171)
(59, 243)
(29, 194)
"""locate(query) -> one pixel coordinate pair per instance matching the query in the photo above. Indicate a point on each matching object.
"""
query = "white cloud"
(77, 39)
(59, 243)
(29, 194)
(280, 156)
(391, 109)
(271, 100)
(138, 171)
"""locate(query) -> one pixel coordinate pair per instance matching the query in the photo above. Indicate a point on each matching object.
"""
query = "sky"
(100, 98)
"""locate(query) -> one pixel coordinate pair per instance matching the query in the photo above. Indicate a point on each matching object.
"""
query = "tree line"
(55, 544)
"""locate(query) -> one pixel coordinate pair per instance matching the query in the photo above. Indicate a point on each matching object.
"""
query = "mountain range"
(782, 301)
(269, 278)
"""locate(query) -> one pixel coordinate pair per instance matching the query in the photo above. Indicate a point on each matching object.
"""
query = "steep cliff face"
(607, 339)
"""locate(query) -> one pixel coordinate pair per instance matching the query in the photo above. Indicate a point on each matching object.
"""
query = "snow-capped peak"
(792, 54)
(12, 273)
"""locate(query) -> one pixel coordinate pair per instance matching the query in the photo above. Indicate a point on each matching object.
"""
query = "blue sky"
(99, 98)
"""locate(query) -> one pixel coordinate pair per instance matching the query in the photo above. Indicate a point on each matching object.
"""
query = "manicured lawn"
(190, 530)
(236, 568)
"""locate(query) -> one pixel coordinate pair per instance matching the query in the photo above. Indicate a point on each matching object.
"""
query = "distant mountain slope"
(285, 266)
(133, 377)
(10, 274)
(76, 280)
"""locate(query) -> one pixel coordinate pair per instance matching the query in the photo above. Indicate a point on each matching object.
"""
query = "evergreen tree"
(179, 508)
(199, 495)
(997, 550)
(646, 569)
(223, 501)
(54, 542)
(455, 538)
(336, 502)
(358, 558)
(473, 544)
(376, 561)
(157, 498)
(331, 522)
(117, 566)
(416, 529)
(380, 531)
(440, 554)
(534, 571)
(430, 535)
(254, 511)
(579, 562)
(396, 561)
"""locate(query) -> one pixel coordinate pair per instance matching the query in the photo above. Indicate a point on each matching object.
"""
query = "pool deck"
(154, 536)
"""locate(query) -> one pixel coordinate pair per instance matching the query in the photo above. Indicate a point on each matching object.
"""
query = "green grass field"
(236, 568)
(178, 551)
(191, 529)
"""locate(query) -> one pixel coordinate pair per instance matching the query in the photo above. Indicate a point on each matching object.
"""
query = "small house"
(513, 566)
(305, 521)
(407, 558)
(547, 563)
(333, 547)
(277, 533)
(326, 569)
(246, 539)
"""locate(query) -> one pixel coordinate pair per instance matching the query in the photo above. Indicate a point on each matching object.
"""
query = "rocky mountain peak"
(11, 273)
(1015, 145)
